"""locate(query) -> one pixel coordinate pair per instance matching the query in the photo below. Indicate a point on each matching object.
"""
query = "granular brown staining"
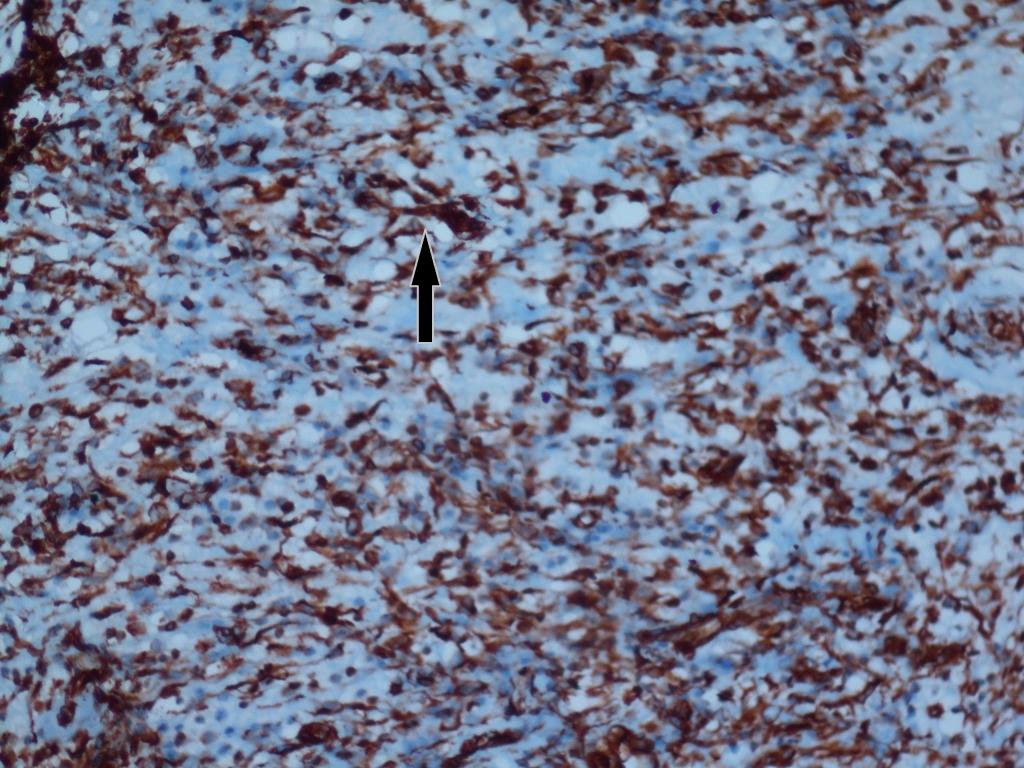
(245, 346)
(491, 740)
(620, 745)
(38, 65)
(342, 498)
(780, 273)
(722, 469)
(458, 215)
(317, 733)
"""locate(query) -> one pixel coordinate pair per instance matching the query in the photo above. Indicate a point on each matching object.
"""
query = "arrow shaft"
(425, 313)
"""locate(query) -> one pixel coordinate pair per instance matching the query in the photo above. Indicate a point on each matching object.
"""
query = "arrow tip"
(425, 271)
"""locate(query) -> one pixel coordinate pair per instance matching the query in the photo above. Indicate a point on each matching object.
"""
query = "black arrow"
(424, 278)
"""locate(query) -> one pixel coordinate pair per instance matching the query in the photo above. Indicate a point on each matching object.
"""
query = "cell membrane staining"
(715, 457)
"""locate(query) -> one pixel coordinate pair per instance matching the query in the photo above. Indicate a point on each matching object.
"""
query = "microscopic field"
(716, 456)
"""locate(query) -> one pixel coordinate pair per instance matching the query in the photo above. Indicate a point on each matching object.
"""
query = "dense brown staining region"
(494, 739)
(38, 65)
(722, 469)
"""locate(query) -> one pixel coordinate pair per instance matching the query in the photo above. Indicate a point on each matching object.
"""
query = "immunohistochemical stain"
(714, 460)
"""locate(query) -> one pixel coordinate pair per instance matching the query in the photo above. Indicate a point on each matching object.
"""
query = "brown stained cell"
(560, 423)
(67, 713)
(865, 321)
(1005, 327)
(781, 756)
(780, 273)
(895, 645)
(622, 387)
(603, 759)
(205, 157)
(617, 52)
(987, 405)
(107, 611)
(38, 65)
(837, 508)
(937, 656)
(327, 82)
(590, 81)
(930, 78)
(822, 125)
(246, 347)
(343, 499)
(358, 417)
(319, 732)
(455, 215)
(128, 61)
(487, 92)
(479, 743)
(625, 418)
(57, 367)
(244, 397)
(932, 498)
(720, 470)
(92, 58)
(853, 50)
(766, 428)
